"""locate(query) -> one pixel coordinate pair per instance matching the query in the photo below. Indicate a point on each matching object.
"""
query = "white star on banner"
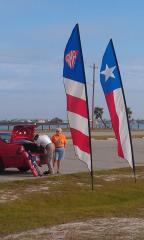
(108, 72)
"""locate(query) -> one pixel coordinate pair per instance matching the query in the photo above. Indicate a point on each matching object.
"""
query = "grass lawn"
(51, 200)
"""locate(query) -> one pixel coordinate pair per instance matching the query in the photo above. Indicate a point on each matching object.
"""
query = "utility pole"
(93, 94)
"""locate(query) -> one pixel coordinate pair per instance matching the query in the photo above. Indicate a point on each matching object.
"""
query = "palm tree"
(98, 112)
(56, 120)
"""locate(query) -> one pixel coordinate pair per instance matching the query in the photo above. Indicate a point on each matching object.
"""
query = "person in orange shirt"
(60, 142)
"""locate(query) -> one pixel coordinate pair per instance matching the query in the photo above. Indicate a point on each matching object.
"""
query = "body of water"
(49, 127)
(133, 125)
(98, 124)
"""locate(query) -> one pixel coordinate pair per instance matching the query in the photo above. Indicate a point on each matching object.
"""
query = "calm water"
(10, 127)
(133, 125)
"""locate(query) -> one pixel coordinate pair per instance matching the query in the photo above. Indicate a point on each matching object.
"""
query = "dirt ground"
(96, 229)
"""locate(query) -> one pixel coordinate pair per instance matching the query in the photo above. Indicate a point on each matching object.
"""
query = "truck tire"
(23, 169)
(1, 166)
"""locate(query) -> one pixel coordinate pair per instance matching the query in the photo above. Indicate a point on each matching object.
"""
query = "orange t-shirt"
(59, 140)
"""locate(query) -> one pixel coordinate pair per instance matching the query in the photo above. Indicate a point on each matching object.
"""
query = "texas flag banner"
(76, 95)
(114, 93)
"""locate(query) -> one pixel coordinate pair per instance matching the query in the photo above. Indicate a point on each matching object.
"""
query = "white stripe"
(85, 157)
(75, 88)
(78, 122)
(123, 127)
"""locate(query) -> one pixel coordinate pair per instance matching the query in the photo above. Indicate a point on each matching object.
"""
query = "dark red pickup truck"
(20, 149)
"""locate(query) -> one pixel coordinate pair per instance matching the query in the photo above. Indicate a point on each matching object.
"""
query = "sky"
(33, 36)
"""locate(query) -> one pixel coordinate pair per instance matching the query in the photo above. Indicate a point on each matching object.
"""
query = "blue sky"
(33, 36)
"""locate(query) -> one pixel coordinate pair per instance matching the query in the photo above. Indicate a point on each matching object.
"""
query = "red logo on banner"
(70, 58)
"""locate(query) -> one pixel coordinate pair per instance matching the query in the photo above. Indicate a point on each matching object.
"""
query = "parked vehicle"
(20, 151)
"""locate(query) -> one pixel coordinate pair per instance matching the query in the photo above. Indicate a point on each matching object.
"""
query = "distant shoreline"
(97, 134)
(44, 126)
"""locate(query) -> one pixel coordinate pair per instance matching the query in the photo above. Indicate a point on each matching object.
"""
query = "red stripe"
(80, 140)
(114, 120)
(77, 105)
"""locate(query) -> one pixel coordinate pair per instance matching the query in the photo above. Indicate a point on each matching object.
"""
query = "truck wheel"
(23, 169)
(1, 167)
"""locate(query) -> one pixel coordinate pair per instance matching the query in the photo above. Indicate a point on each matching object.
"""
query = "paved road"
(104, 157)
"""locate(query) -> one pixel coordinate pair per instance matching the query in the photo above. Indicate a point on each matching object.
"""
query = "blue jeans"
(59, 153)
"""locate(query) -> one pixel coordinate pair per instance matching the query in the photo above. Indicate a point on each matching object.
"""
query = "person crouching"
(45, 142)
